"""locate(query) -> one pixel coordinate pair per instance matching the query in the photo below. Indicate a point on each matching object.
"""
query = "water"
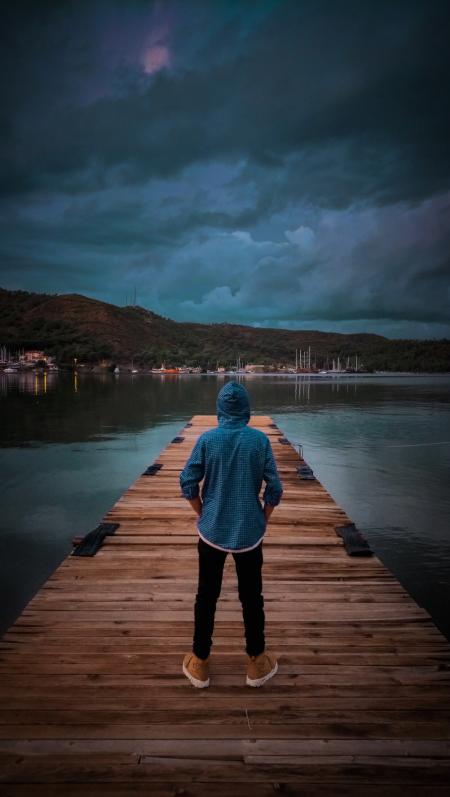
(71, 445)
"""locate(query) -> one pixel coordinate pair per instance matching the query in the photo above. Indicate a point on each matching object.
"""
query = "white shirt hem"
(229, 550)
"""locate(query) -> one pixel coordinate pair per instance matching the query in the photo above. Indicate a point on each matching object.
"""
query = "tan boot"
(261, 668)
(197, 670)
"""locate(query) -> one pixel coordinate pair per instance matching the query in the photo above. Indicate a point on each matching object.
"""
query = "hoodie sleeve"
(193, 471)
(274, 488)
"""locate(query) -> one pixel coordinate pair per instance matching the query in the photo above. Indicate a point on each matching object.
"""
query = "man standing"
(233, 459)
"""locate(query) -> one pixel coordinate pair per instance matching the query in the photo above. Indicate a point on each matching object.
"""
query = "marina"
(25, 361)
(92, 694)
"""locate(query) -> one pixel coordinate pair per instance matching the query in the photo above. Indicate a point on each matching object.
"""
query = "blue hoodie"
(233, 459)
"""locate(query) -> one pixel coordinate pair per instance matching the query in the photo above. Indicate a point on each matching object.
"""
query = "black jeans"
(248, 569)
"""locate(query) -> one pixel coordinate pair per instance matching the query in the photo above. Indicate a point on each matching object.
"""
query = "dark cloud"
(150, 141)
(370, 76)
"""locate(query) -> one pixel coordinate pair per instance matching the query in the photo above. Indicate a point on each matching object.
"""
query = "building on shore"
(33, 356)
(253, 368)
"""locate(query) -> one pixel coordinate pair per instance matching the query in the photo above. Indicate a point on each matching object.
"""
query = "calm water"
(71, 445)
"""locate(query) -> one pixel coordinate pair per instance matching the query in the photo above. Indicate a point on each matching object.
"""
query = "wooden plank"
(266, 727)
(106, 767)
(231, 748)
(221, 789)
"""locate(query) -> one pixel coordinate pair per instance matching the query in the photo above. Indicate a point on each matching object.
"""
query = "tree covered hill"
(72, 325)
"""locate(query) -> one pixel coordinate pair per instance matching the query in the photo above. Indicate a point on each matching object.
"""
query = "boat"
(117, 370)
(239, 367)
(10, 370)
(164, 370)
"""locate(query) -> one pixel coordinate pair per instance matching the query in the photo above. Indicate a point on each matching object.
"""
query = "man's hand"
(268, 509)
(196, 505)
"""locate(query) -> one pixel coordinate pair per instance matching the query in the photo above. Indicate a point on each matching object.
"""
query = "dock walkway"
(93, 701)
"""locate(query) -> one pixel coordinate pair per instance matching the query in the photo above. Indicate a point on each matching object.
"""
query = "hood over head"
(233, 405)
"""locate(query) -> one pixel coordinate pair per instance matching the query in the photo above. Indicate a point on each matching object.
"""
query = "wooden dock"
(93, 701)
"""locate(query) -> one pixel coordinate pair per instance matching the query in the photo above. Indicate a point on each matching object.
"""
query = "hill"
(72, 325)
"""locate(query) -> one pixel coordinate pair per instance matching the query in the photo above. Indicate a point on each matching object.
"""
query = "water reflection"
(302, 390)
(35, 382)
(72, 406)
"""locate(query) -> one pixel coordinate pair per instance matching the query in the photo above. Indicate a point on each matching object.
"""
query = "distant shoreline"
(126, 372)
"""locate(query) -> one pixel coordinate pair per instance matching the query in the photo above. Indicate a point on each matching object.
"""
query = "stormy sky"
(280, 163)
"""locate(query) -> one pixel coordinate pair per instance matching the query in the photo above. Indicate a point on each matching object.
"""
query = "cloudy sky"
(279, 163)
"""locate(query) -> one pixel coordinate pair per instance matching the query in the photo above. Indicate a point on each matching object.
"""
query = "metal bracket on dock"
(89, 545)
(177, 439)
(273, 426)
(354, 542)
(284, 441)
(188, 424)
(305, 473)
(152, 469)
